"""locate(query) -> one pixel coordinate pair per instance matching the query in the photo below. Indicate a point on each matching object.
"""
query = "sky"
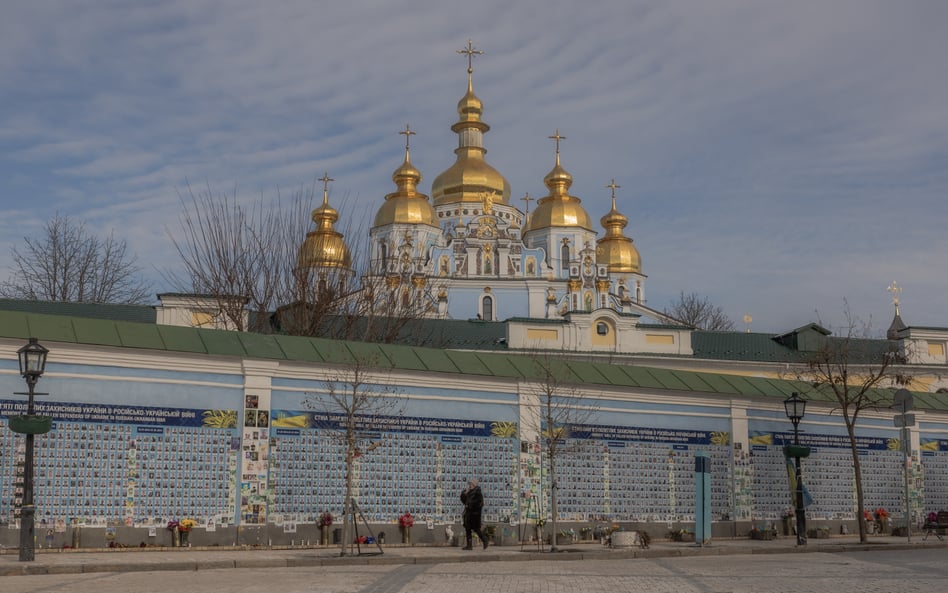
(783, 159)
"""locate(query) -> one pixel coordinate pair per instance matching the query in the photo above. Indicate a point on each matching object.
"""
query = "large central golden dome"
(470, 177)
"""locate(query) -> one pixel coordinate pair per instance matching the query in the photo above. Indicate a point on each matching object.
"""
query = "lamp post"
(32, 364)
(795, 408)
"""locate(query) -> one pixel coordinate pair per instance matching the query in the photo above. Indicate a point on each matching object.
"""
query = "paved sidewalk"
(190, 559)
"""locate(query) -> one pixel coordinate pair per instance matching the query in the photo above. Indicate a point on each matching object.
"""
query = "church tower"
(324, 259)
(618, 254)
(404, 231)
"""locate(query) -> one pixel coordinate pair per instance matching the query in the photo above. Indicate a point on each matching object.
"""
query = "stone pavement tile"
(191, 559)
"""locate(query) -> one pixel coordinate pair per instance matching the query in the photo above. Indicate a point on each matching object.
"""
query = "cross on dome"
(470, 52)
(556, 137)
(325, 179)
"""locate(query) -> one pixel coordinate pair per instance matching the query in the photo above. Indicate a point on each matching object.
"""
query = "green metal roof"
(15, 324)
(138, 313)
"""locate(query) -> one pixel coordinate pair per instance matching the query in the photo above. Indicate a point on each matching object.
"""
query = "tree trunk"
(348, 518)
(857, 476)
(553, 508)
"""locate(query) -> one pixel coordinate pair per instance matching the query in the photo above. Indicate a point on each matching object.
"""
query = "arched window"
(383, 256)
(564, 257)
(487, 308)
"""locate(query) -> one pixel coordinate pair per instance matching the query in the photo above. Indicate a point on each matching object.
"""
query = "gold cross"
(896, 291)
(526, 198)
(614, 187)
(407, 133)
(325, 179)
(470, 52)
(556, 136)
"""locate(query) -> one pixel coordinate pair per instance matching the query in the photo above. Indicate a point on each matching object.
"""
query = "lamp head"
(32, 360)
(795, 407)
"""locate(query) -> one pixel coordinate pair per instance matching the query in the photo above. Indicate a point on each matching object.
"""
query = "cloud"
(775, 156)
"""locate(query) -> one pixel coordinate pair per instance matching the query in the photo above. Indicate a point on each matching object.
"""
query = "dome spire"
(325, 215)
(470, 52)
(407, 133)
(558, 180)
(556, 137)
(470, 175)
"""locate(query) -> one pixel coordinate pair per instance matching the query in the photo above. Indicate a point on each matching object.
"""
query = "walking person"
(473, 500)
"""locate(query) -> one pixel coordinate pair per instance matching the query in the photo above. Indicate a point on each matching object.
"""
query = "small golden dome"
(324, 247)
(558, 209)
(406, 205)
(470, 107)
(615, 250)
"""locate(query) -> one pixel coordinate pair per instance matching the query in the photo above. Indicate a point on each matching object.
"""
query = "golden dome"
(324, 247)
(615, 250)
(558, 209)
(406, 205)
(470, 177)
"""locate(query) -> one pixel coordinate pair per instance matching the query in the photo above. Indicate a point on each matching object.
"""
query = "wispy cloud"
(776, 156)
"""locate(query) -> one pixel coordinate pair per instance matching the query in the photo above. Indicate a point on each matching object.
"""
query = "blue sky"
(777, 157)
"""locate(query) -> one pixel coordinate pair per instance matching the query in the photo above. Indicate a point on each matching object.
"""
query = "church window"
(564, 257)
(602, 328)
(383, 255)
(487, 308)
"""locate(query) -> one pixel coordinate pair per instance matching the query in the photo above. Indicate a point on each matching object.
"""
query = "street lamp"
(32, 364)
(795, 407)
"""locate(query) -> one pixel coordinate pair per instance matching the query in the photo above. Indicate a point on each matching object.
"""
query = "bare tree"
(559, 406)
(71, 264)
(355, 398)
(237, 256)
(699, 312)
(254, 256)
(853, 372)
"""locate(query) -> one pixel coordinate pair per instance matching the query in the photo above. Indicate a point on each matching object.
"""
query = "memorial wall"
(141, 447)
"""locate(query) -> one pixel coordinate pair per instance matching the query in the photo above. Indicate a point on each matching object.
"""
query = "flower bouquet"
(325, 521)
(882, 519)
(186, 525)
(405, 522)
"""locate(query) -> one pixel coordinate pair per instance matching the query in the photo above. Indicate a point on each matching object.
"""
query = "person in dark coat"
(473, 500)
